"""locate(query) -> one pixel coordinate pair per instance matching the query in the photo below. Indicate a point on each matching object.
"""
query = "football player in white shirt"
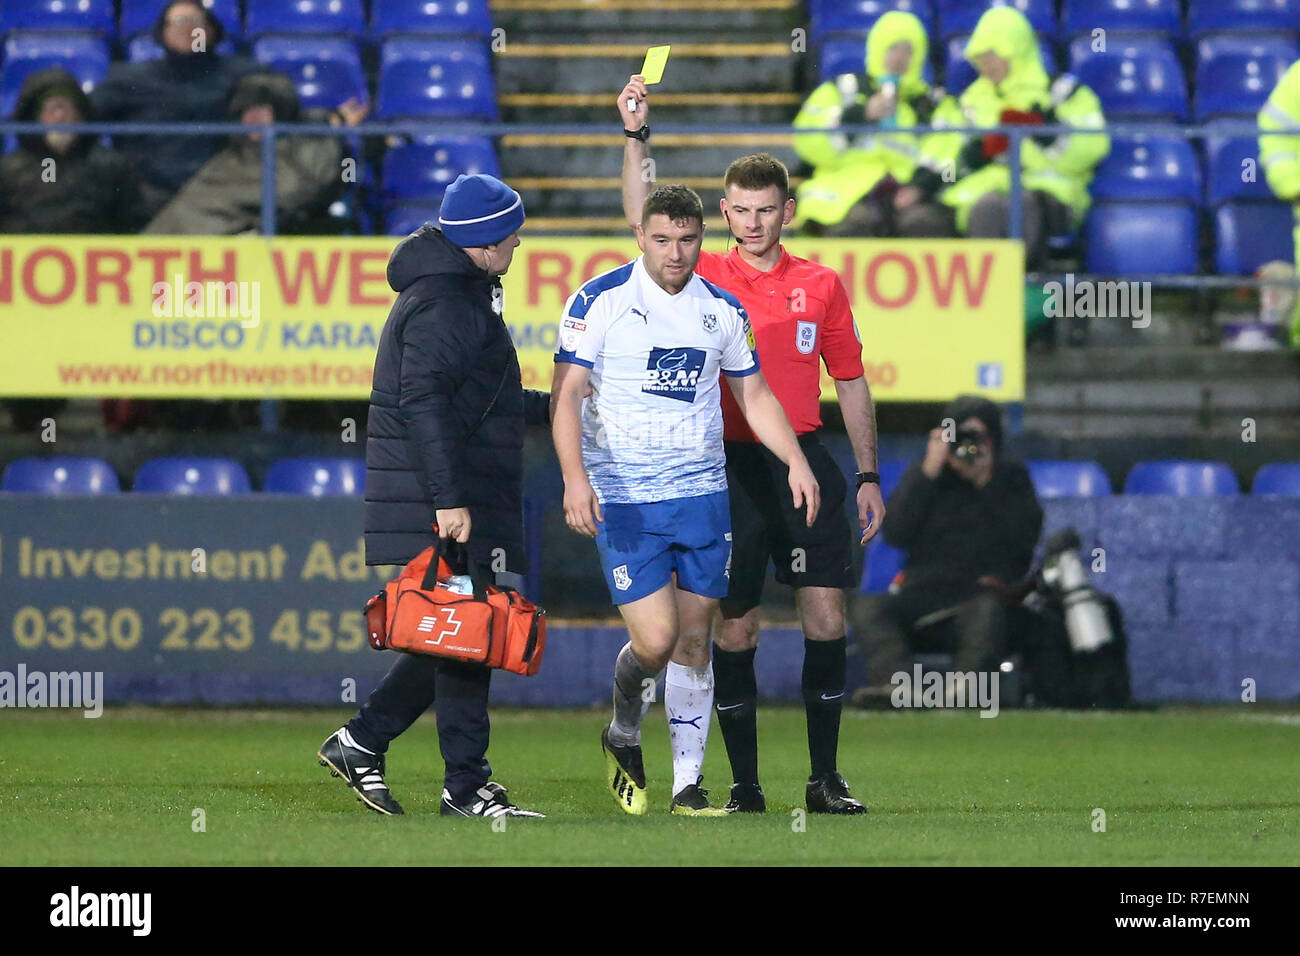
(645, 475)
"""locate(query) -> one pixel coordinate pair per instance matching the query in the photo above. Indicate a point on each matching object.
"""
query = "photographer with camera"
(968, 520)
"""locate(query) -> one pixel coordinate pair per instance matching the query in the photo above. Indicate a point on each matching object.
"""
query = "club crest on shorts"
(710, 323)
(621, 579)
(805, 337)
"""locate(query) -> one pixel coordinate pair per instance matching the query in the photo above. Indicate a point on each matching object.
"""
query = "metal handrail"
(456, 127)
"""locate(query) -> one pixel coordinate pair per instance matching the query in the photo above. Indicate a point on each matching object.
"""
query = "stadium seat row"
(1136, 76)
(948, 17)
(418, 76)
(345, 17)
(346, 476)
(1077, 16)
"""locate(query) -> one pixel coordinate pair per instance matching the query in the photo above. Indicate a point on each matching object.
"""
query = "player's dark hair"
(758, 171)
(679, 203)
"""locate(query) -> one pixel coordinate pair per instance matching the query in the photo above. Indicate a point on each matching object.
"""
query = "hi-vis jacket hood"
(1006, 32)
(894, 27)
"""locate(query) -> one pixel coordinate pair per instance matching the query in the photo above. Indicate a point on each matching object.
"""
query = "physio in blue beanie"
(480, 210)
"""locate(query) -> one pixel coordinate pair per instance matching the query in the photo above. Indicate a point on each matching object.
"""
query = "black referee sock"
(735, 698)
(823, 698)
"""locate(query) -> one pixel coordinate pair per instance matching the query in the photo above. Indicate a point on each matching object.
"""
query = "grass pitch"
(1189, 787)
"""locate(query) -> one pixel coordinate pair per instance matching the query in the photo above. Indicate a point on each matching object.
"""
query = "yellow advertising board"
(248, 317)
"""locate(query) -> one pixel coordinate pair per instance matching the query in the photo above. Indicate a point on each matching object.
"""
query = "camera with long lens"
(1064, 575)
(966, 444)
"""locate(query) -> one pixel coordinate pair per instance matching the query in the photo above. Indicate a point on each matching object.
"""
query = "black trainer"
(363, 772)
(830, 794)
(693, 801)
(746, 798)
(489, 800)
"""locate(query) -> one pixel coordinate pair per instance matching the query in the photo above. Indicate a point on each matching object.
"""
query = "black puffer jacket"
(93, 189)
(176, 88)
(442, 354)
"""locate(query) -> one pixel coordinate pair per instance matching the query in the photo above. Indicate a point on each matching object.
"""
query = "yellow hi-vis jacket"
(1279, 155)
(1061, 166)
(846, 169)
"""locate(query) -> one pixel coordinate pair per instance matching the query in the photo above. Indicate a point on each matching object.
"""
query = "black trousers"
(459, 695)
(978, 631)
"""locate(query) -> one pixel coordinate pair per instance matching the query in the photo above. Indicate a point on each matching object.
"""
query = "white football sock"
(688, 702)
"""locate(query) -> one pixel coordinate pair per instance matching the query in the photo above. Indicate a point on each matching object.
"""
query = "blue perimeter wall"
(1210, 589)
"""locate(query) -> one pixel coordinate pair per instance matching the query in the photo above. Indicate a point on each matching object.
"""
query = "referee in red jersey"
(800, 316)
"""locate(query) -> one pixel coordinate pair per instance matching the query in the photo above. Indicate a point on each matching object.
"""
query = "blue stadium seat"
(142, 47)
(304, 16)
(419, 77)
(423, 169)
(1148, 16)
(1149, 167)
(1144, 238)
(842, 55)
(92, 15)
(84, 55)
(405, 219)
(960, 16)
(881, 561)
(881, 564)
(1136, 77)
(317, 477)
(1225, 164)
(1068, 479)
(192, 476)
(326, 71)
(139, 16)
(858, 16)
(1249, 234)
(1281, 478)
(891, 472)
(848, 55)
(1235, 75)
(1205, 16)
(1185, 478)
(959, 73)
(430, 16)
(60, 475)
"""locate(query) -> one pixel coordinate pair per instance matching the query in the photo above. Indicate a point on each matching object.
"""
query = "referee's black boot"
(362, 771)
(829, 793)
(746, 798)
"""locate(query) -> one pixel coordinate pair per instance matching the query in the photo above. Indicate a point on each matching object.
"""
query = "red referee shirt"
(790, 343)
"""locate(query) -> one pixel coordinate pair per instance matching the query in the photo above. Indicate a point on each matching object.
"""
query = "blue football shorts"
(641, 545)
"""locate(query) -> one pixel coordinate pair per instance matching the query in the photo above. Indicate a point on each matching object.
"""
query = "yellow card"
(656, 58)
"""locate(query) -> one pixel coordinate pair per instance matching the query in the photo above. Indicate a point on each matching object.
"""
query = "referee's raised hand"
(634, 92)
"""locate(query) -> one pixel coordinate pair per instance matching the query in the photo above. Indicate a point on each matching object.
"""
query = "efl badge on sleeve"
(805, 337)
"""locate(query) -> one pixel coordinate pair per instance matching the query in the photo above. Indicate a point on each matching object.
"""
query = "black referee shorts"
(766, 527)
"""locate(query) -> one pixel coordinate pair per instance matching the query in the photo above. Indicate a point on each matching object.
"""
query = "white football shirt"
(652, 429)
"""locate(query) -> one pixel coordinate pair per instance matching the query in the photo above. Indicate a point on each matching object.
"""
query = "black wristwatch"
(643, 134)
(868, 477)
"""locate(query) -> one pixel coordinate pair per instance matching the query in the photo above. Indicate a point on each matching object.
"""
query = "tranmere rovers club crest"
(621, 580)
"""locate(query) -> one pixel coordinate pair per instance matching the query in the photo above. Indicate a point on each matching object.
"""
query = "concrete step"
(703, 109)
(602, 65)
(675, 156)
(687, 17)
